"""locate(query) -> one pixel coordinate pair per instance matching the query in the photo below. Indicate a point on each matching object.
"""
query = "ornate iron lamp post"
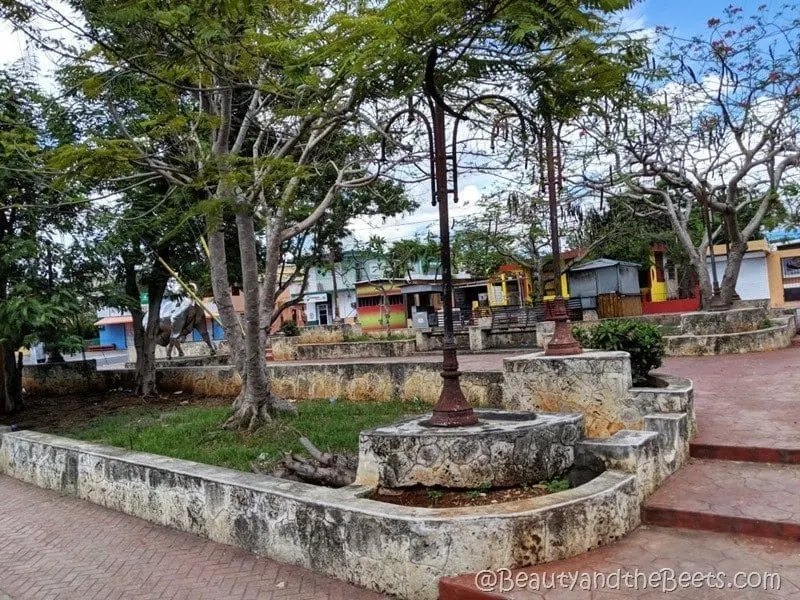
(563, 343)
(452, 409)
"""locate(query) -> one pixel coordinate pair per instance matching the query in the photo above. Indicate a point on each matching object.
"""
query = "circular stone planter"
(506, 448)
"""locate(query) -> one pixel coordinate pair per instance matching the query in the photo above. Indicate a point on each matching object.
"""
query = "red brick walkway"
(666, 552)
(59, 547)
(750, 400)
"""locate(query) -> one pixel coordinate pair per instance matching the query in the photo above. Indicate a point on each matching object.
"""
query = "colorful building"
(381, 304)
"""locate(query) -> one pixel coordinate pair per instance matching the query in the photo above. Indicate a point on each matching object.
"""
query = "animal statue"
(179, 319)
(187, 318)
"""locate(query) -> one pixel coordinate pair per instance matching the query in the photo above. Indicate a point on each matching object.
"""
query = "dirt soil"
(449, 498)
(57, 414)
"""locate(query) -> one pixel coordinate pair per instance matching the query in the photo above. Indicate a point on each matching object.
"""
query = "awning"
(421, 288)
(114, 320)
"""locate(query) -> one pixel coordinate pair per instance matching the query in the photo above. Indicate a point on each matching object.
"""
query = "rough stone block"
(630, 451)
(674, 433)
(594, 383)
(506, 448)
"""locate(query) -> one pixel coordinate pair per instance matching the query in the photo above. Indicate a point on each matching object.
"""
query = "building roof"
(602, 263)
(120, 320)
(210, 306)
(777, 236)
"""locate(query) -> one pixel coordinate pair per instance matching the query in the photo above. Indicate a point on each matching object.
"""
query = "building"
(115, 328)
(769, 271)
(326, 287)
(611, 287)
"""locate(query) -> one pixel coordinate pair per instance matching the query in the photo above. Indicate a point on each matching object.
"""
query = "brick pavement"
(747, 400)
(651, 549)
(59, 547)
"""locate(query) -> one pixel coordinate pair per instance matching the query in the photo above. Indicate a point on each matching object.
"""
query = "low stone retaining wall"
(376, 349)
(356, 382)
(218, 360)
(760, 340)
(392, 549)
(482, 338)
(735, 320)
(596, 384)
(431, 340)
(61, 379)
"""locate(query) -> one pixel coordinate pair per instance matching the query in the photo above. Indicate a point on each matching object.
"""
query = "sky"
(689, 17)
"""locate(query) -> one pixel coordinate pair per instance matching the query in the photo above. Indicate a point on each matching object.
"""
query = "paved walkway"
(58, 547)
(745, 399)
(748, 409)
(666, 552)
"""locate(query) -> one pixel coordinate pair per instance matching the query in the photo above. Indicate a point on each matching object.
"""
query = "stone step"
(732, 497)
(651, 550)
(758, 454)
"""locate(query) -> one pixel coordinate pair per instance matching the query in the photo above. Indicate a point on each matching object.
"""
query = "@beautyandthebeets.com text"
(665, 580)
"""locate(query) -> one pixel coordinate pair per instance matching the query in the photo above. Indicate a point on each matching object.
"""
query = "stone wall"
(431, 340)
(760, 340)
(596, 384)
(391, 549)
(736, 320)
(190, 349)
(61, 379)
(357, 382)
(376, 349)
(482, 338)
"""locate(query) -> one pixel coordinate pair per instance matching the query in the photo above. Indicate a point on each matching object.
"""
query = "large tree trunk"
(727, 288)
(737, 250)
(145, 334)
(254, 405)
(10, 380)
(698, 261)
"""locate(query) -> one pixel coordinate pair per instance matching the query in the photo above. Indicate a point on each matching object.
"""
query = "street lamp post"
(563, 343)
(452, 409)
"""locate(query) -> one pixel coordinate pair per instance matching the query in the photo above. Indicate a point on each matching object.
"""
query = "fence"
(616, 305)
(505, 317)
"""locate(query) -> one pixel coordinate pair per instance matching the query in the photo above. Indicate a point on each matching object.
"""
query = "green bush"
(643, 341)
(290, 329)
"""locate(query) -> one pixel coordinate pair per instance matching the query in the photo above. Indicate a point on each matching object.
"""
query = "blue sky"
(687, 16)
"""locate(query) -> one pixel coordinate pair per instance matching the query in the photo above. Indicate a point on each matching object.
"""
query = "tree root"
(249, 413)
(323, 468)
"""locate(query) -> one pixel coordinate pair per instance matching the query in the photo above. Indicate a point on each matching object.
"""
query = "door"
(322, 313)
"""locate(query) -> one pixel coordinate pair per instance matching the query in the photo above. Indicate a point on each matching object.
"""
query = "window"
(394, 300)
(369, 301)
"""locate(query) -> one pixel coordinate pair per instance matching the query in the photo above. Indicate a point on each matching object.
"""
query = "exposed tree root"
(323, 468)
(250, 413)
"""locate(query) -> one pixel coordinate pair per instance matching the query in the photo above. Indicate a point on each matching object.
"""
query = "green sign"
(143, 299)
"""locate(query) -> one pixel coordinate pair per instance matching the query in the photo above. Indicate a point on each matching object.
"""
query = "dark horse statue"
(173, 329)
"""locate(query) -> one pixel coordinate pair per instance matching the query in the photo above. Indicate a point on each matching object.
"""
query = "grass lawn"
(193, 433)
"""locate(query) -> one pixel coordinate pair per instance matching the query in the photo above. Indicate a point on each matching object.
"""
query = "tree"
(36, 299)
(514, 230)
(254, 93)
(715, 134)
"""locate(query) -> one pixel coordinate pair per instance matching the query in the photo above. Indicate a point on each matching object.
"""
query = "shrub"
(643, 341)
(290, 329)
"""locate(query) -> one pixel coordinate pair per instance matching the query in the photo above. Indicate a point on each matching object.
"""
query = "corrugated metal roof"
(602, 263)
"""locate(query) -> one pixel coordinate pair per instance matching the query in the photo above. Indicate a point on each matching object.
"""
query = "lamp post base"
(452, 409)
(717, 304)
(563, 342)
